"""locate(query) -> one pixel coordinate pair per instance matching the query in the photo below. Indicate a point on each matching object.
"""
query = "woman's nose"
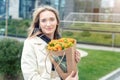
(48, 23)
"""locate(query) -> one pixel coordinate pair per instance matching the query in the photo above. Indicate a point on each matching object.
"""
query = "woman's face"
(48, 22)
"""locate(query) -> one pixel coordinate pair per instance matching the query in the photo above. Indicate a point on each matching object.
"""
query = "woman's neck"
(50, 36)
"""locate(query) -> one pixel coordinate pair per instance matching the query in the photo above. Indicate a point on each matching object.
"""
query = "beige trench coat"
(33, 63)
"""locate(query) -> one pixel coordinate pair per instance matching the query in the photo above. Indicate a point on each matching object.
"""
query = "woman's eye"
(43, 20)
(52, 19)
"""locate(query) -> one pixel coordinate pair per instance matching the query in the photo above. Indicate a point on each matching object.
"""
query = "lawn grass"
(93, 37)
(97, 64)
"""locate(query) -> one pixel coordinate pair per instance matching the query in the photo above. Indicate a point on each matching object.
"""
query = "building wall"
(116, 8)
(14, 9)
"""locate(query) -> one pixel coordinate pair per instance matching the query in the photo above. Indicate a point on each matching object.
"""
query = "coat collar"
(41, 44)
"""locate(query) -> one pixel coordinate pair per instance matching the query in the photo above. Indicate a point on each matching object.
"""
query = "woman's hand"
(72, 76)
(77, 56)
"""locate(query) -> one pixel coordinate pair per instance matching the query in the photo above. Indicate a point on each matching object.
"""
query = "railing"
(110, 22)
(94, 17)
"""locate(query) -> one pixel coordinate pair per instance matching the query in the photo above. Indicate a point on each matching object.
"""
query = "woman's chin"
(49, 33)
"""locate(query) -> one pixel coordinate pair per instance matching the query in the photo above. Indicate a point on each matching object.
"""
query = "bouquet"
(62, 51)
(60, 44)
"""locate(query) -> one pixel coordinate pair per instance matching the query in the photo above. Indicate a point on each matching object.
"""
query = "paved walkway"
(115, 75)
(87, 46)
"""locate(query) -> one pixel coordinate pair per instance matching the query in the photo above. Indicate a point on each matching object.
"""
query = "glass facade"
(47, 2)
(94, 6)
(64, 7)
(87, 6)
(2, 7)
(26, 8)
(60, 6)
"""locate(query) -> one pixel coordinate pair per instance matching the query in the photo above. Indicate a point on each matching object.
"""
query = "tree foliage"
(10, 54)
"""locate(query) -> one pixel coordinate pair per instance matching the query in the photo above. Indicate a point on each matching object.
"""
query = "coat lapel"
(40, 44)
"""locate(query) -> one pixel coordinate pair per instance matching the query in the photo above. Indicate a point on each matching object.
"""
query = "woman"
(44, 27)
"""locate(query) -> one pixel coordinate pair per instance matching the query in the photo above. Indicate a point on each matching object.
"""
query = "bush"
(85, 34)
(16, 28)
(107, 36)
(68, 33)
(10, 54)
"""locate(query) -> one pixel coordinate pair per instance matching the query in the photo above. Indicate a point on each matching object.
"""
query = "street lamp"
(6, 22)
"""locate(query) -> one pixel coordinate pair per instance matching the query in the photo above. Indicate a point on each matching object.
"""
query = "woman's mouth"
(49, 28)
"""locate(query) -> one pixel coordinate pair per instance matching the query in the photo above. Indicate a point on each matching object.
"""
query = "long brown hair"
(34, 29)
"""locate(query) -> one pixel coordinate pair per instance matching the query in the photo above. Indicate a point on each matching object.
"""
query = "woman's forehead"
(47, 13)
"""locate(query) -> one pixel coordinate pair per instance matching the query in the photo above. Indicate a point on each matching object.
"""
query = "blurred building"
(2, 8)
(13, 9)
(26, 7)
(99, 6)
(95, 6)
(20, 9)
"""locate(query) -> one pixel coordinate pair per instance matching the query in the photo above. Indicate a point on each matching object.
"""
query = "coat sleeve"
(29, 63)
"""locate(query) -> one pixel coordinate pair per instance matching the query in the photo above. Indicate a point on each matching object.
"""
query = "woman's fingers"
(77, 56)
